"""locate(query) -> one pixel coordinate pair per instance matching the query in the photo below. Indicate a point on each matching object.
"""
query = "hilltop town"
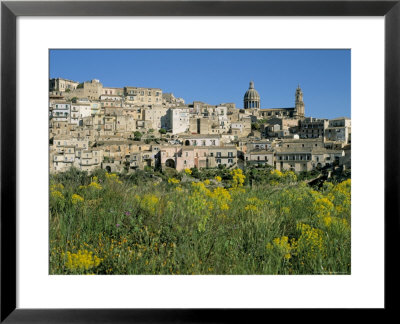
(134, 128)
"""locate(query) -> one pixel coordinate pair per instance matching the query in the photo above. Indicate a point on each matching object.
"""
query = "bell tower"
(299, 111)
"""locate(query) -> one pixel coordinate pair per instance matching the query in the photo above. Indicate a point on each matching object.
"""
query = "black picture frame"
(10, 10)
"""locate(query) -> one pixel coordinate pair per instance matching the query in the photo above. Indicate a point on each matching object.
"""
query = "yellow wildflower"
(75, 199)
(95, 185)
(173, 181)
(57, 194)
(238, 178)
(83, 260)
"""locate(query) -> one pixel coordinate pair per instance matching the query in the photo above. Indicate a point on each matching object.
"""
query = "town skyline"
(222, 79)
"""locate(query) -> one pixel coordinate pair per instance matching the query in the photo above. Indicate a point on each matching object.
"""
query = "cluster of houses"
(131, 128)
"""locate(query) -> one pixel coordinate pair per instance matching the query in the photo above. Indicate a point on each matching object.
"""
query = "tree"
(137, 135)
(162, 131)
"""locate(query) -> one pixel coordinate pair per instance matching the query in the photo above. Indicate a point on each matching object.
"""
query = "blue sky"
(218, 76)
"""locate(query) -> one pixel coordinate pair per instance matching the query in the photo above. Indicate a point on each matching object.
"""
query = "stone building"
(326, 157)
(60, 110)
(312, 127)
(241, 128)
(62, 85)
(305, 155)
(339, 130)
(293, 158)
(259, 157)
(143, 96)
(223, 155)
(182, 157)
(91, 90)
(111, 101)
(177, 120)
(208, 119)
(148, 157)
(169, 100)
(90, 160)
(279, 127)
(201, 140)
(113, 91)
(156, 117)
(59, 128)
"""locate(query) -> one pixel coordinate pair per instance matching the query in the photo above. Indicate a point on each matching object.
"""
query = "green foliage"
(141, 223)
(162, 131)
(307, 175)
(195, 173)
(137, 135)
(257, 124)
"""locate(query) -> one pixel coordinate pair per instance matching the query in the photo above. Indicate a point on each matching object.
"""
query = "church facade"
(252, 101)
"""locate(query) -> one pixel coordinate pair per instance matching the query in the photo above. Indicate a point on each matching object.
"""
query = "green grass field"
(198, 223)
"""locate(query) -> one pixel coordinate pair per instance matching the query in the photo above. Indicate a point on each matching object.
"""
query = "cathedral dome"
(251, 97)
(251, 94)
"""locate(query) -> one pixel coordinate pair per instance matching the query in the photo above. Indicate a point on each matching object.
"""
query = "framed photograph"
(194, 159)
